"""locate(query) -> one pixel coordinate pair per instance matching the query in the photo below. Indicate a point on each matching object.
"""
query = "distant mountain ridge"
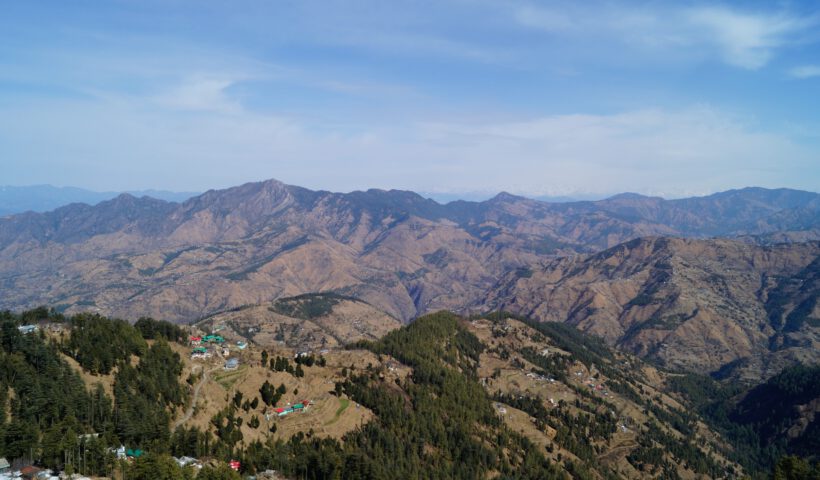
(400, 252)
(749, 211)
(42, 198)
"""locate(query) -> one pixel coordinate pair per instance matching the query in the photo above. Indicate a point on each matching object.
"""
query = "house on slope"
(30, 472)
(27, 329)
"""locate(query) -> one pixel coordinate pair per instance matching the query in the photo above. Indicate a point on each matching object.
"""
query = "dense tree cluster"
(654, 441)
(227, 427)
(270, 395)
(447, 425)
(281, 364)
(162, 467)
(99, 343)
(54, 420)
(751, 422)
(795, 468)
(310, 360)
(151, 329)
(144, 396)
(191, 442)
(308, 306)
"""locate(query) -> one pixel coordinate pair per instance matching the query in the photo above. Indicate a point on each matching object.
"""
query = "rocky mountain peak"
(506, 197)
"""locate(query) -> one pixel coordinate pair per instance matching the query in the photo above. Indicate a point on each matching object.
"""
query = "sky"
(451, 97)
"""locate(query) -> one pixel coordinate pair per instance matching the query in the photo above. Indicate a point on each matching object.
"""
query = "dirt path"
(190, 412)
(620, 450)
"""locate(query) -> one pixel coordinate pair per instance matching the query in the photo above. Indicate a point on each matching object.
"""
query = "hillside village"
(572, 398)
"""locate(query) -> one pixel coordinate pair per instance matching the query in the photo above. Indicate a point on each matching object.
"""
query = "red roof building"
(30, 472)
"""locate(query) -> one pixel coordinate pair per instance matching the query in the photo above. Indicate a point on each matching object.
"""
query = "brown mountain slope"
(551, 374)
(312, 322)
(396, 250)
(699, 305)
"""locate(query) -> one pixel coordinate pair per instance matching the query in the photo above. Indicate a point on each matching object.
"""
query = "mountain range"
(577, 262)
(42, 198)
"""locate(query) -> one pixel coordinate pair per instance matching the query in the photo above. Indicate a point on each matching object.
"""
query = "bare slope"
(701, 305)
(310, 322)
(398, 251)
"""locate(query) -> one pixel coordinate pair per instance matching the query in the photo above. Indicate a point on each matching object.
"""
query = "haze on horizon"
(451, 98)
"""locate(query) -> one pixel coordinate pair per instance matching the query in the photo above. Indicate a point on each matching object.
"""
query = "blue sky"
(450, 97)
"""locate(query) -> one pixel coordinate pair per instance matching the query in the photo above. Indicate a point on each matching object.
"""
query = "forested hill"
(445, 397)
(46, 406)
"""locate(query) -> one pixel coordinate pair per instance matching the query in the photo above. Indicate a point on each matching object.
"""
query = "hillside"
(309, 322)
(402, 253)
(494, 396)
(785, 410)
(582, 401)
(718, 306)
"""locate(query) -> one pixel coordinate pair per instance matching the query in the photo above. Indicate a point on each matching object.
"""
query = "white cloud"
(695, 150)
(740, 38)
(805, 71)
(185, 117)
(201, 93)
(126, 145)
(747, 40)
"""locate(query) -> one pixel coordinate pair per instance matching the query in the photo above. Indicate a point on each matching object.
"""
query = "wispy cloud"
(654, 151)
(745, 39)
(749, 40)
(426, 44)
(201, 93)
(805, 71)
(436, 96)
(679, 152)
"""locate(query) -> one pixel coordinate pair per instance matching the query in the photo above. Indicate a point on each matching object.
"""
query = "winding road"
(190, 412)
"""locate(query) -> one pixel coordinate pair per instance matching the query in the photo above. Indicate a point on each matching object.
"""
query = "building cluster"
(600, 388)
(295, 408)
(47, 326)
(205, 347)
(186, 461)
(540, 378)
(30, 472)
